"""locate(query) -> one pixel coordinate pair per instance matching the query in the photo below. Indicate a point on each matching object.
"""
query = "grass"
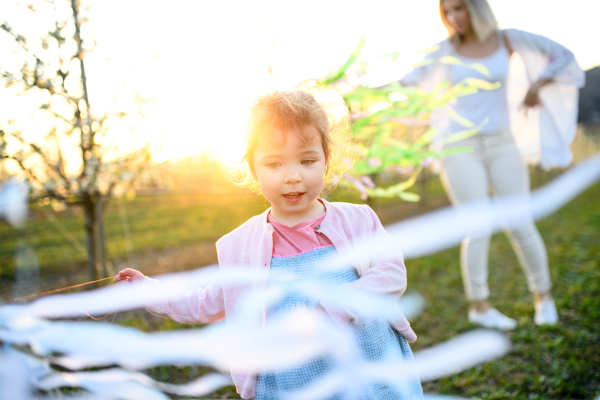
(155, 222)
(560, 362)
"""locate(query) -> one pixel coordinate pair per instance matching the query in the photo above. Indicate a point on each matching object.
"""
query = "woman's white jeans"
(496, 162)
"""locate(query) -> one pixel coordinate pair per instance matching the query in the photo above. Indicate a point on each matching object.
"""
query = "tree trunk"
(101, 264)
(89, 210)
(94, 229)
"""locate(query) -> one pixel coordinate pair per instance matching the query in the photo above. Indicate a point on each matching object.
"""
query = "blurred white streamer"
(13, 202)
(119, 297)
(297, 337)
(300, 336)
(27, 271)
(445, 228)
(411, 304)
(14, 373)
(131, 296)
(460, 353)
(450, 357)
(113, 383)
(128, 385)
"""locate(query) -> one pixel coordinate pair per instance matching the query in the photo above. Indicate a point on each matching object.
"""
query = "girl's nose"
(292, 176)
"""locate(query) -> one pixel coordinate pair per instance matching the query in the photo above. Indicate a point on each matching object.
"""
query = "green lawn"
(156, 222)
(560, 362)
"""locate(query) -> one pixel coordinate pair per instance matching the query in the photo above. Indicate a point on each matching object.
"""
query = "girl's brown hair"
(281, 112)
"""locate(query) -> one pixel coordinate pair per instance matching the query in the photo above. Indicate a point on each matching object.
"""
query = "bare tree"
(73, 162)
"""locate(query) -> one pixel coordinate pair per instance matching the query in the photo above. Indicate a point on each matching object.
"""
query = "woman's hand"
(532, 98)
(128, 275)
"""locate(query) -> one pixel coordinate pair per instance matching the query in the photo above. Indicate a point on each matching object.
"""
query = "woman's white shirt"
(486, 108)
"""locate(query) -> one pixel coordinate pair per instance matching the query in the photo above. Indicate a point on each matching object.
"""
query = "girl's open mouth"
(293, 197)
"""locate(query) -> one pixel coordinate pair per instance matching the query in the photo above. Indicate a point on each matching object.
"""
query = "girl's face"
(291, 174)
(457, 16)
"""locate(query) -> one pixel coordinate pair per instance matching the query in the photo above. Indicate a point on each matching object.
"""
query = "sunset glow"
(203, 63)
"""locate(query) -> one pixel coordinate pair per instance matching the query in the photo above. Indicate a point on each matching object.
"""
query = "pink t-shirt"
(297, 239)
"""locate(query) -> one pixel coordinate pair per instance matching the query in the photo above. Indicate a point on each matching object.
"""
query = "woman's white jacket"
(544, 136)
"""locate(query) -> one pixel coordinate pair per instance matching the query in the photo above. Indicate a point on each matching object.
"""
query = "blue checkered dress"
(375, 338)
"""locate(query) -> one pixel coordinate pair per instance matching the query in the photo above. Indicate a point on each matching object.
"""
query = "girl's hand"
(532, 98)
(319, 309)
(128, 275)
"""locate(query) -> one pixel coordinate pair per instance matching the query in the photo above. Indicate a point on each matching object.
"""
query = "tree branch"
(20, 40)
(28, 171)
(48, 163)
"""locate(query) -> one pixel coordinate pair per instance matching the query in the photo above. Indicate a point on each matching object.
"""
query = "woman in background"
(496, 161)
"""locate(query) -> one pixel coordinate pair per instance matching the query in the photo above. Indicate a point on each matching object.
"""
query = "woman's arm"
(545, 59)
(546, 62)
(532, 98)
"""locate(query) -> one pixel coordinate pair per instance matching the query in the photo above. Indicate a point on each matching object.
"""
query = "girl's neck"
(315, 209)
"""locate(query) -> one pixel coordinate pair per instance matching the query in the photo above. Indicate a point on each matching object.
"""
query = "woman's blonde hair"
(285, 111)
(482, 18)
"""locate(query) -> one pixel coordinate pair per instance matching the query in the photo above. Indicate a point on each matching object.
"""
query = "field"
(177, 232)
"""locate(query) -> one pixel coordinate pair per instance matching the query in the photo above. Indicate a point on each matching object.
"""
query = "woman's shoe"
(545, 312)
(492, 318)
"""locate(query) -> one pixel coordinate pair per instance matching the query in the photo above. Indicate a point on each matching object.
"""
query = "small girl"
(288, 151)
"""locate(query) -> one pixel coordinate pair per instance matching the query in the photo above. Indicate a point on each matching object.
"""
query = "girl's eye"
(308, 162)
(273, 165)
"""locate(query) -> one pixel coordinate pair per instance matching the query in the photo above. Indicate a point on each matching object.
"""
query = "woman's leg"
(509, 177)
(465, 180)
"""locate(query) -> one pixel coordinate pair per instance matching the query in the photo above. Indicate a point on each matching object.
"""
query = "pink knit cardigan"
(251, 245)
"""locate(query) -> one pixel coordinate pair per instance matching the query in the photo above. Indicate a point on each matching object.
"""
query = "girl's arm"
(196, 306)
(385, 276)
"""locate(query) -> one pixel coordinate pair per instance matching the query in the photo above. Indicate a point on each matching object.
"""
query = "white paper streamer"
(13, 202)
(14, 382)
(114, 383)
(300, 336)
(460, 353)
(455, 355)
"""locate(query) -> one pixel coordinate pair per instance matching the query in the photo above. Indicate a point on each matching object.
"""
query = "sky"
(206, 61)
